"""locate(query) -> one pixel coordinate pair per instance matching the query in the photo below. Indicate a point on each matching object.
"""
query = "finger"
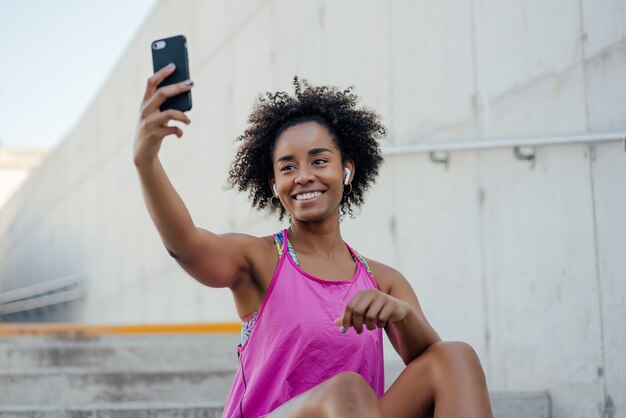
(384, 315)
(358, 313)
(372, 314)
(346, 319)
(163, 93)
(380, 323)
(162, 118)
(156, 79)
(168, 130)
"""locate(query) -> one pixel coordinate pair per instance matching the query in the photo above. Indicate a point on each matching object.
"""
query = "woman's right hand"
(153, 124)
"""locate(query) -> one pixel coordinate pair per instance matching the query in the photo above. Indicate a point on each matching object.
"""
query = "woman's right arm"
(216, 261)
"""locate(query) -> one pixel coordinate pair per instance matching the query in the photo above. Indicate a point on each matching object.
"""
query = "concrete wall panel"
(299, 42)
(539, 240)
(521, 41)
(605, 80)
(457, 263)
(608, 171)
(356, 49)
(549, 106)
(603, 24)
(431, 88)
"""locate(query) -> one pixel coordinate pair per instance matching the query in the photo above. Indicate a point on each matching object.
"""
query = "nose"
(305, 175)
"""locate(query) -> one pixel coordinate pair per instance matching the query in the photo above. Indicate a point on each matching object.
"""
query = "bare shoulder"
(260, 254)
(385, 276)
(254, 248)
(245, 241)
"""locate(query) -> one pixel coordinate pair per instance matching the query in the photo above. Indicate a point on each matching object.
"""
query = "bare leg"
(446, 380)
(346, 395)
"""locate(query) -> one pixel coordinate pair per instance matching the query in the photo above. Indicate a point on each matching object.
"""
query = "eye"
(286, 167)
(319, 161)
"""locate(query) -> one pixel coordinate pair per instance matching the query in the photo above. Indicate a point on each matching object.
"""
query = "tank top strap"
(362, 260)
(280, 238)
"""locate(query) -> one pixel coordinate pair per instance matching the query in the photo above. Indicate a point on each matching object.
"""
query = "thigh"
(346, 394)
(448, 371)
(302, 406)
(412, 394)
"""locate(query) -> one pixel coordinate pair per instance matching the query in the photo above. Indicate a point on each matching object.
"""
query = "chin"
(310, 216)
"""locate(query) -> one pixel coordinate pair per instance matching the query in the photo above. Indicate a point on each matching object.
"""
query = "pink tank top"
(295, 344)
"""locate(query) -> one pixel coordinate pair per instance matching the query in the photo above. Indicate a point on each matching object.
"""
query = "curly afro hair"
(355, 132)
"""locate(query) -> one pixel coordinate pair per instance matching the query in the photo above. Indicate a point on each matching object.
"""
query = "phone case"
(174, 50)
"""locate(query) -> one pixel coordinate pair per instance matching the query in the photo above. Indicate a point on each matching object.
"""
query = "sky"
(54, 58)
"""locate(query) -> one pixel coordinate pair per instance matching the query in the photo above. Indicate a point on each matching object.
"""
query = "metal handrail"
(42, 301)
(52, 292)
(39, 288)
(505, 142)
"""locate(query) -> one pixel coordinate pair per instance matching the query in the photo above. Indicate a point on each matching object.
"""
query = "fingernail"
(342, 330)
(189, 83)
(170, 65)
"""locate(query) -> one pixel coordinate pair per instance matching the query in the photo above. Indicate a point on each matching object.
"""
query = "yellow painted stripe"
(93, 330)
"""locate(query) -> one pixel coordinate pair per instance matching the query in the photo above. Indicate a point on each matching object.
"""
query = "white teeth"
(307, 196)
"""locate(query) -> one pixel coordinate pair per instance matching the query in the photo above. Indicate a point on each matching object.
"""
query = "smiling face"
(308, 172)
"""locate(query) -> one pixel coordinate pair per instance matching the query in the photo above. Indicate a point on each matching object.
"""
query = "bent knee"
(347, 381)
(347, 385)
(455, 353)
(347, 394)
(453, 348)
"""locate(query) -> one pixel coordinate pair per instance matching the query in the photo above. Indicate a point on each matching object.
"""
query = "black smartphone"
(165, 51)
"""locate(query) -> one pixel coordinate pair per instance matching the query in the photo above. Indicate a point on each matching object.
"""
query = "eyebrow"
(312, 151)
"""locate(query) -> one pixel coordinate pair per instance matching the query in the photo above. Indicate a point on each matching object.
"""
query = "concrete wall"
(521, 260)
(15, 167)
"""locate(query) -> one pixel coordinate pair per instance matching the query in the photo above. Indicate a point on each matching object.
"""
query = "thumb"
(338, 321)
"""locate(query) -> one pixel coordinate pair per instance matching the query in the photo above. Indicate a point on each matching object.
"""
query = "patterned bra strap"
(362, 260)
(279, 240)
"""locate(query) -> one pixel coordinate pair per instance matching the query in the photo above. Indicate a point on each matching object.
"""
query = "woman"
(313, 309)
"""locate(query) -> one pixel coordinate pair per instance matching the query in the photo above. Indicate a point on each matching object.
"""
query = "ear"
(272, 185)
(349, 164)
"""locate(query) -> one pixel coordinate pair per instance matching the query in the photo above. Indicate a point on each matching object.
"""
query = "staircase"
(63, 375)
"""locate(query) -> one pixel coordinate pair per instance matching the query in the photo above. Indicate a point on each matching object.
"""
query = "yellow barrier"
(94, 330)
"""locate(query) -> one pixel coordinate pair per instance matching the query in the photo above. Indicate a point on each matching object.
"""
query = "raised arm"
(216, 261)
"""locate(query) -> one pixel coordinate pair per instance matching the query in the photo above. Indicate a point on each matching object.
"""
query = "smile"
(308, 196)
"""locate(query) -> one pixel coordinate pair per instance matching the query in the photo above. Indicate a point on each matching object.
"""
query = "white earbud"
(275, 190)
(347, 178)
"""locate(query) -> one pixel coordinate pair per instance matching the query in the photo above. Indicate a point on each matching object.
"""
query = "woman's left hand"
(372, 308)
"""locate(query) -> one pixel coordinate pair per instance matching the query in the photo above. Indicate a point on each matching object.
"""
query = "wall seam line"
(592, 157)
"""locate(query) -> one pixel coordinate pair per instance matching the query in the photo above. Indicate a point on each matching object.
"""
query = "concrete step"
(117, 410)
(521, 404)
(148, 375)
(83, 386)
(505, 405)
(119, 353)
